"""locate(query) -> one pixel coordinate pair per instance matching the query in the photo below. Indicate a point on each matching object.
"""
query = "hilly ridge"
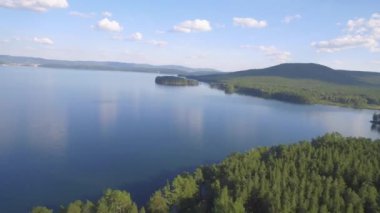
(304, 83)
(307, 83)
(102, 65)
(310, 71)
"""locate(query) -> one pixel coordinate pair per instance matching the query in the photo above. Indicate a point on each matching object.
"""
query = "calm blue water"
(69, 134)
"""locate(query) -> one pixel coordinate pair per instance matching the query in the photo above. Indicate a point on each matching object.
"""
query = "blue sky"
(225, 34)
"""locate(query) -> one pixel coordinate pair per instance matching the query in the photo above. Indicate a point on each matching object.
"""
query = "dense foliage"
(303, 83)
(113, 201)
(175, 81)
(330, 174)
(376, 118)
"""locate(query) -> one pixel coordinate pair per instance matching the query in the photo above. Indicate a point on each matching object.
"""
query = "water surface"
(69, 134)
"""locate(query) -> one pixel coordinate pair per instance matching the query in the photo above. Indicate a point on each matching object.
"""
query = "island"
(175, 81)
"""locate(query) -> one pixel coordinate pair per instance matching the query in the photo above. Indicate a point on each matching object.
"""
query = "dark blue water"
(69, 134)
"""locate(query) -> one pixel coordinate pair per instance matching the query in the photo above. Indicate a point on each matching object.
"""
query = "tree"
(224, 203)
(41, 209)
(88, 207)
(142, 210)
(75, 207)
(116, 201)
(157, 203)
(331, 174)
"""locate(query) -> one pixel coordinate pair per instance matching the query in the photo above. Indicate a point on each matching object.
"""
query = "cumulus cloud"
(197, 25)
(359, 33)
(158, 43)
(43, 40)
(357, 25)
(81, 15)
(346, 42)
(290, 18)
(109, 25)
(249, 22)
(36, 5)
(275, 54)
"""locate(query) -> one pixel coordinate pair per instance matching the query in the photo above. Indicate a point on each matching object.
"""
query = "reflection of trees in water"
(375, 127)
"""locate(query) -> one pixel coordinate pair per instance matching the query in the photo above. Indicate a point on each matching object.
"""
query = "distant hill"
(303, 83)
(305, 71)
(97, 65)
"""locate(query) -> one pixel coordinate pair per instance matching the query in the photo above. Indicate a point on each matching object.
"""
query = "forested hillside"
(329, 174)
(303, 83)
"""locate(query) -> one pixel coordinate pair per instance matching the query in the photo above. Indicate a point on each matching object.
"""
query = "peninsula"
(302, 83)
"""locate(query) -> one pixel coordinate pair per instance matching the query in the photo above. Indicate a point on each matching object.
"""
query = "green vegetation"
(41, 209)
(376, 118)
(111, 201)
(330, 174)
(303, 83)
(175, 81)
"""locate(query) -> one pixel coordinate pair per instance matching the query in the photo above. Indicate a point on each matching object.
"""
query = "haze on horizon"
(225, 35)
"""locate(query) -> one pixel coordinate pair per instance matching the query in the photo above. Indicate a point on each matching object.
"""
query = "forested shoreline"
(302, 84)
(331, 173)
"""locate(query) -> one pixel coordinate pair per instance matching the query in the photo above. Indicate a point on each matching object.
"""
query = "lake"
(70, 134)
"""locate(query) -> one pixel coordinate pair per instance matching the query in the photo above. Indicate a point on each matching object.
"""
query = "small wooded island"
(175, 81)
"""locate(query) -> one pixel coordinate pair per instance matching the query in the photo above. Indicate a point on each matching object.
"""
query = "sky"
(227, 35)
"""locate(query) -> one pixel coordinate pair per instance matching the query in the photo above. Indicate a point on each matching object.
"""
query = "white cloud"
(197, 25)
(357, 25)
(36, 5)
(109, 25)
(290, 18)
(137, 36)
(249, 22)
(81, 15)
(43, 40)
(106, 14)
(158, 43)
(346, 42)
(275, 54)
(360, 33)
